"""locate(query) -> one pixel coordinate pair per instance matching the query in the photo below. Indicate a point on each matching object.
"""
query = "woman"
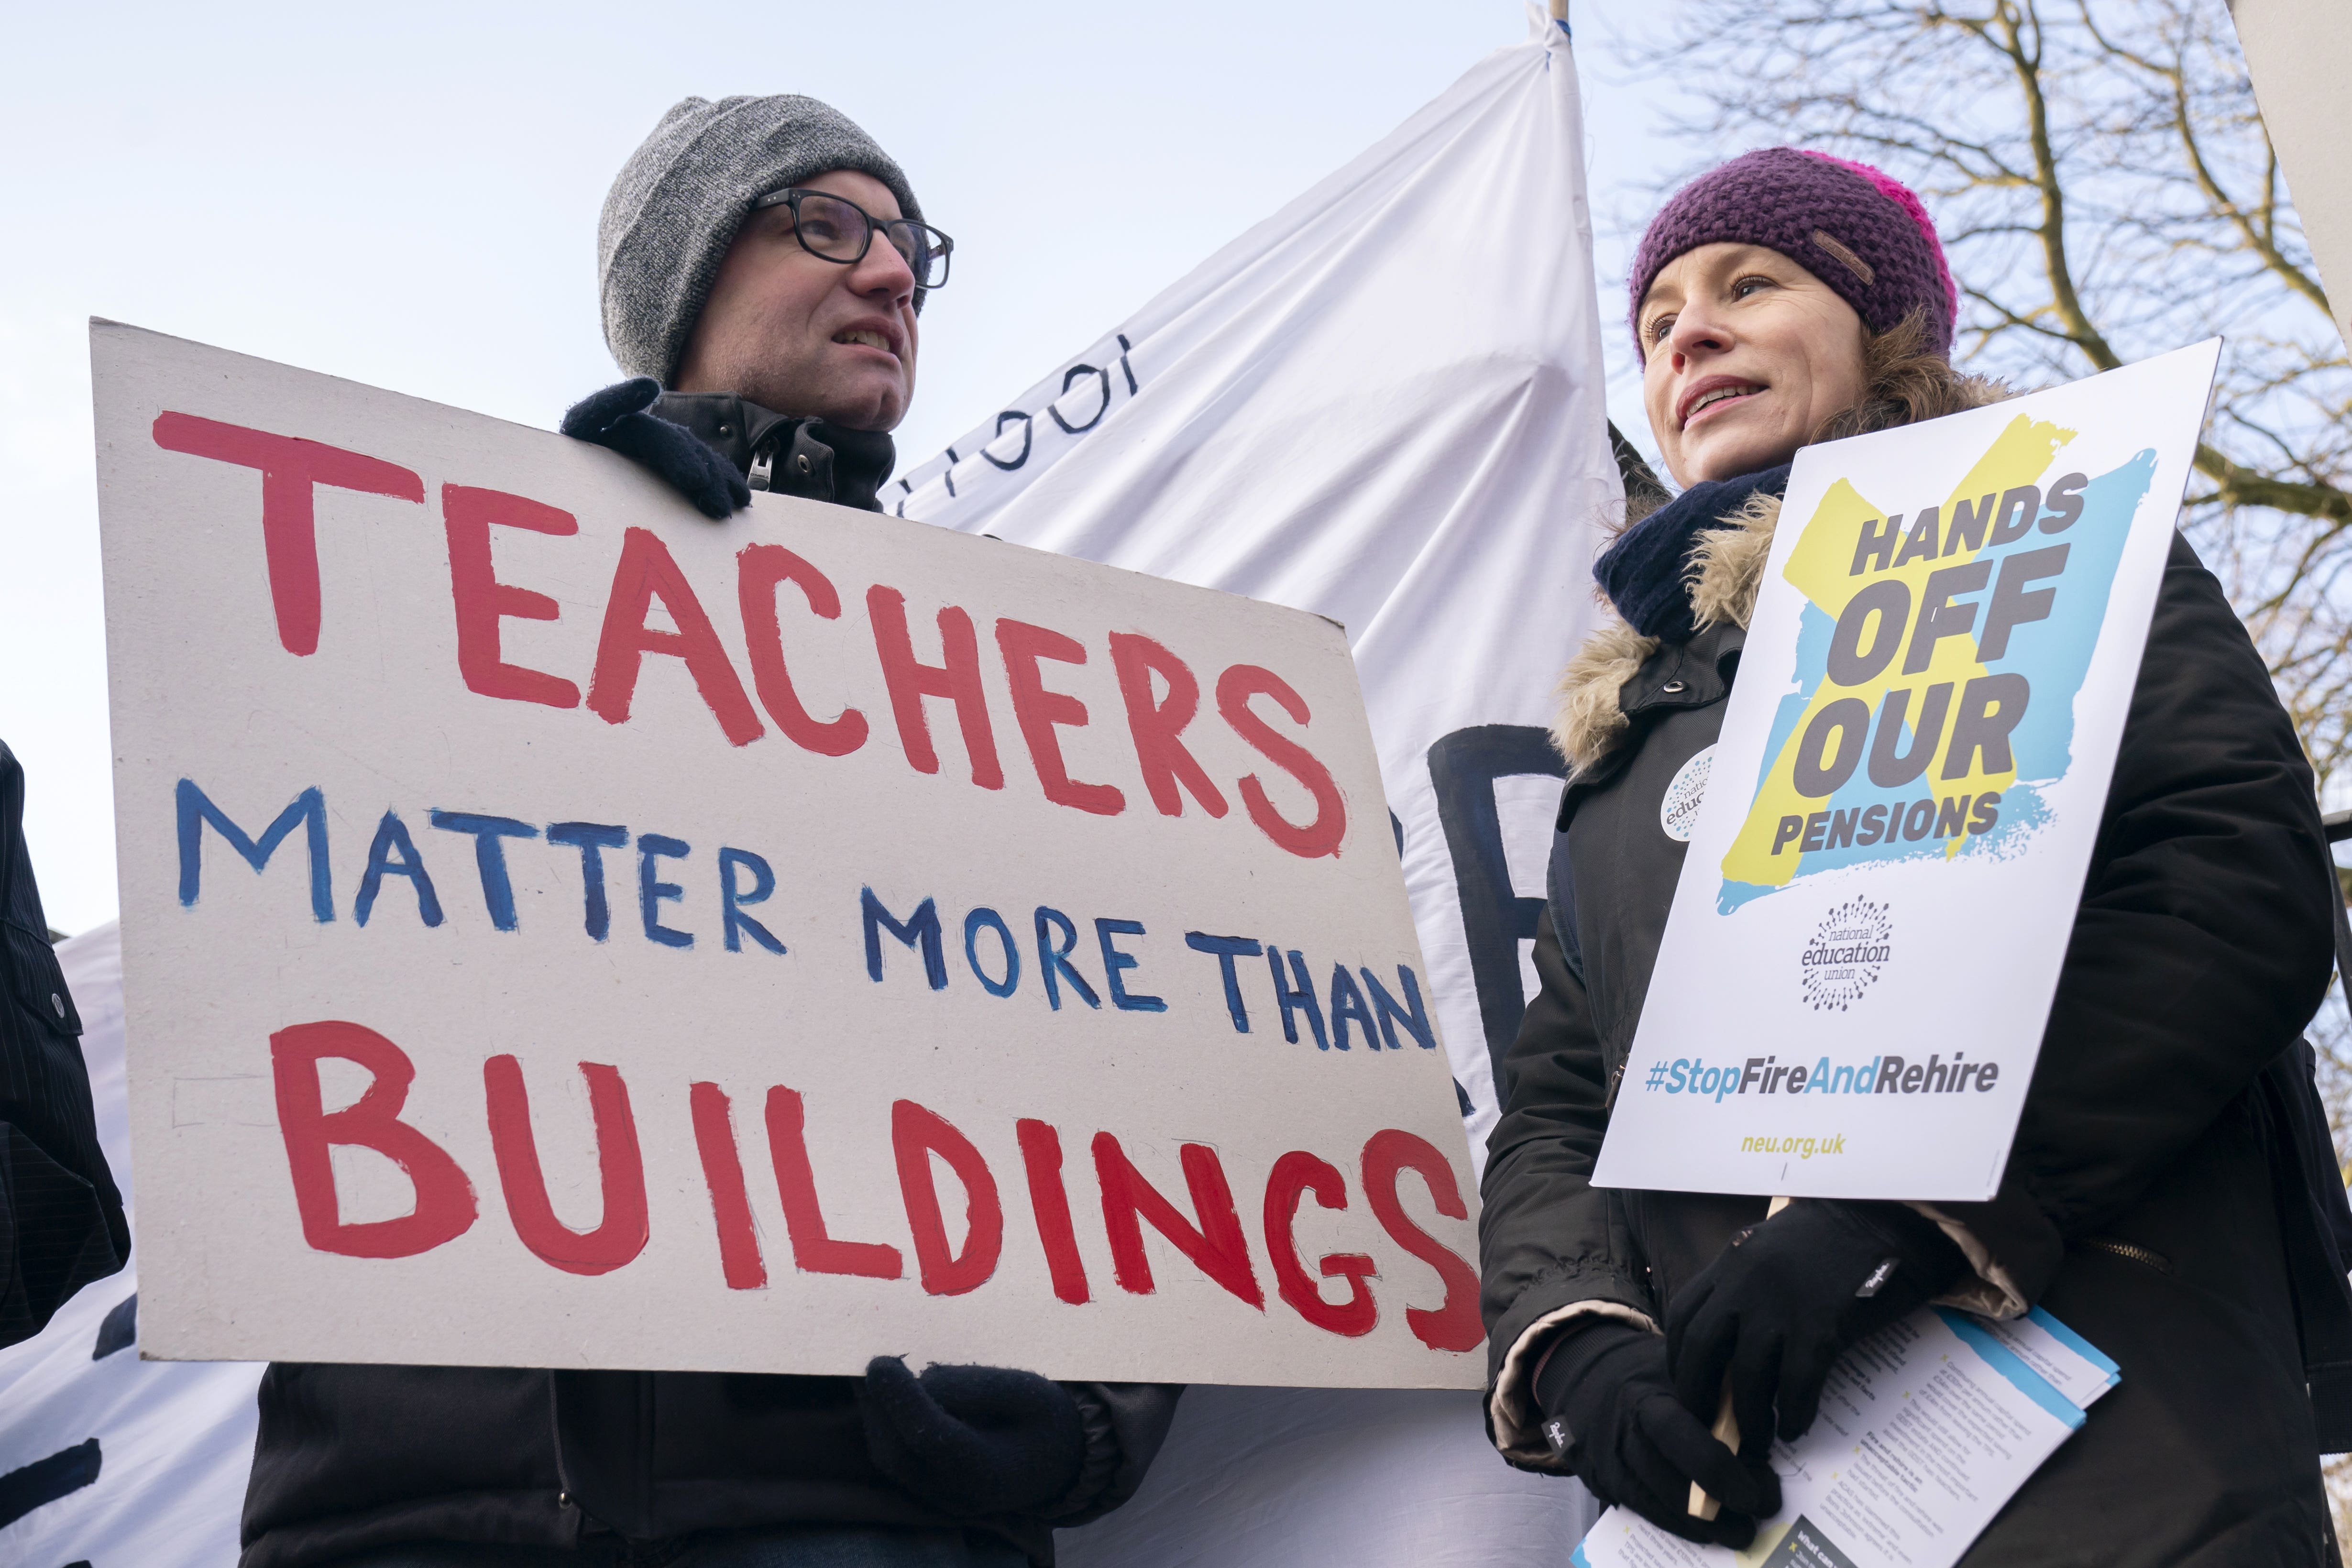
(2167, 1196)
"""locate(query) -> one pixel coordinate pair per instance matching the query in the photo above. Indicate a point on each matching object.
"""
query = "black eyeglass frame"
(941, 246)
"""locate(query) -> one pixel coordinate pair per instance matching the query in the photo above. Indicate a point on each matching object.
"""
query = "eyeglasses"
(842, 231)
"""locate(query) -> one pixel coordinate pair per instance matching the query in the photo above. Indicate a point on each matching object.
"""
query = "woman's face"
(1745, 354)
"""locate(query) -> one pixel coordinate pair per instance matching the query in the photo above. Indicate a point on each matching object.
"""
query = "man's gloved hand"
(1778, 1305)
(1607, 1402)
(973, 1439)
(616, 418)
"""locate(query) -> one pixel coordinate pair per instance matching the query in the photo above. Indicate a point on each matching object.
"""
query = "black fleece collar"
(1646, 572)
(804, 458)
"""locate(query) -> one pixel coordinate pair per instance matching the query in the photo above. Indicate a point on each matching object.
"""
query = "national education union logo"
(1848, 951)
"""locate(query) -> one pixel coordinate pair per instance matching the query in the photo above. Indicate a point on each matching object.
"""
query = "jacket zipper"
(2133, 1251)
(1615, 1079)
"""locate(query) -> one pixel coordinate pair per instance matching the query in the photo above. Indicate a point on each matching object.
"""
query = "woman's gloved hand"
(1778, 1305)
(972, 1440)
(1610, 1408)
(616, 419)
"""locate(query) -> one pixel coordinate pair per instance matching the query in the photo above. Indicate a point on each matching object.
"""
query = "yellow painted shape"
(1819, 567)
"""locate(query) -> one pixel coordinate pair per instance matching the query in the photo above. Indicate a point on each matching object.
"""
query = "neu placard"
(1901, 809)
(563, 931)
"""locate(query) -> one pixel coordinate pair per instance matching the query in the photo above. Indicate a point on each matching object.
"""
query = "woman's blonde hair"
(1903, 382)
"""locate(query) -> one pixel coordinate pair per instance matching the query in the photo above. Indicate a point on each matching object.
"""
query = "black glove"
(1778, 1305)
(974, 1440)
(615, 418)
(1610, 1408)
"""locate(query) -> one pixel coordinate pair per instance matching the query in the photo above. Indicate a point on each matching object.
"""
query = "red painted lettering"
(445, 1205)
(1295, 1175)
(1217, 1246)
(1157, 727)
(482, 600)
(1322, 836)
(1041, 1158)
(1455, 1325)
(289, 467)
(814, 1252)
(645, 570)
(730, 1202)
(760, 568)
(1039, 710)
(957, 677)
(620, 1168)
(915, 1134)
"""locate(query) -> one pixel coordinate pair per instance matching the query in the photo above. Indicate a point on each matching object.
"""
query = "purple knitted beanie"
(1857, 229)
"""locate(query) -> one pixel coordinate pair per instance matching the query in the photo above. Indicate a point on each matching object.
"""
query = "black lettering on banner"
(1003, 419)
(1070, 378)
(1462, 769)
(1127, 370)
(44, 1482)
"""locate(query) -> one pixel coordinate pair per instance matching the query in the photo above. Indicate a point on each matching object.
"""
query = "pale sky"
(408, 197)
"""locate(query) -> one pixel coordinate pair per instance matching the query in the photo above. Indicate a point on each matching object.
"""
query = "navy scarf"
(1645, 573)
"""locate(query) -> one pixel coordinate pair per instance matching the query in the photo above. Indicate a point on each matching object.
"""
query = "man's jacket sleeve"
(1550, 1245)
(1126, 1423)
(2201, 947)
(61, 1222)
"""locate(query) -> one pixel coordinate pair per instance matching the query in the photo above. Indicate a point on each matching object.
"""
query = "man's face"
(804, 336)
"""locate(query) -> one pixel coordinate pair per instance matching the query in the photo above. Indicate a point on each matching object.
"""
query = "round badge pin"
(1678, 812)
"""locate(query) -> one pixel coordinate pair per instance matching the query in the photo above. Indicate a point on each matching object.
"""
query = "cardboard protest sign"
(1897, 820)
(559, 931)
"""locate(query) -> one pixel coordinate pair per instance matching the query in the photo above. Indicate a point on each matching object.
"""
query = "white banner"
(106, 1458)
(1384, 405)
(1913, 767)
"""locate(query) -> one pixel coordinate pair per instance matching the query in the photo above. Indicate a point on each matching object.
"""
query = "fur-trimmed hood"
(1726, 565)
(1726, 570)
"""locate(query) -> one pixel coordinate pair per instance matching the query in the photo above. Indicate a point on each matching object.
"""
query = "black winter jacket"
(2161, 1197)
(352, 1459)
(61, 1222)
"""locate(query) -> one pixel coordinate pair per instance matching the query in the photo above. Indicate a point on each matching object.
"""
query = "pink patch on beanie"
(1898, 193)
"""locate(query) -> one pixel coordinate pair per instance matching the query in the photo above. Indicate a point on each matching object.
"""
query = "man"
(766, 260)
(61, 1222)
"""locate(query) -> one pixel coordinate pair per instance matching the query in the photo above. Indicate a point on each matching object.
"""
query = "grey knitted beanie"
(676, 204)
